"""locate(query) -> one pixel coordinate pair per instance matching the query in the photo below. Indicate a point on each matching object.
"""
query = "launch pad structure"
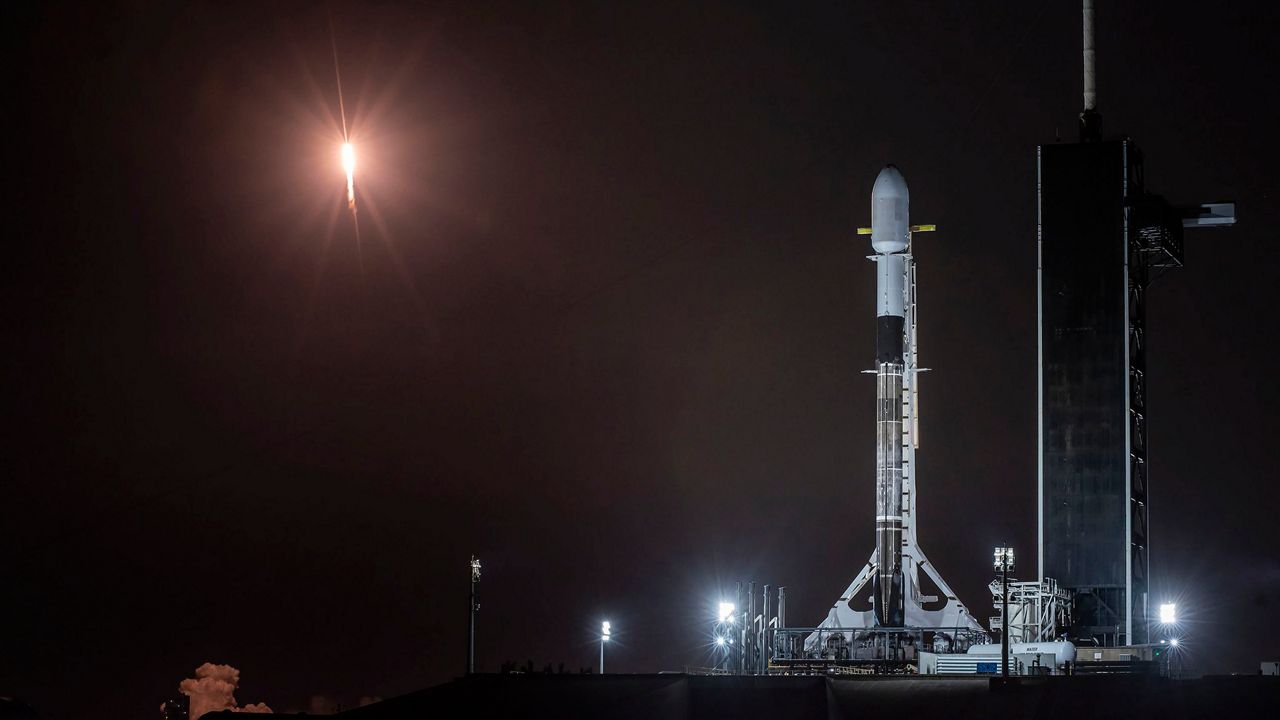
(1101, 236)
(888, 614)
(903, 617)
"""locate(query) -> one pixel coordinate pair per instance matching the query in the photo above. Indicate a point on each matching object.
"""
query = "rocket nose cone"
(889, 184)
(889, 212)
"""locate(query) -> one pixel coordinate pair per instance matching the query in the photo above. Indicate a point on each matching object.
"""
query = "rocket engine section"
(890, 237)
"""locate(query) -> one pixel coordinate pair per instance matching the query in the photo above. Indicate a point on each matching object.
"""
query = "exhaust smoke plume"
(213, 688)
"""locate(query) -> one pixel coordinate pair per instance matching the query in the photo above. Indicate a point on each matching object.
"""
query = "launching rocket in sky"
(348, 150)
(349, 165)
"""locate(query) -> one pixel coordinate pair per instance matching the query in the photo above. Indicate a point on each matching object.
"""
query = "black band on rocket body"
(889, 338)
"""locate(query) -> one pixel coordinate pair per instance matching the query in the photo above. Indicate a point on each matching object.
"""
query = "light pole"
(473, 607)
(1168, 623)
(1004, 563)
(604, 638)
(724, 618)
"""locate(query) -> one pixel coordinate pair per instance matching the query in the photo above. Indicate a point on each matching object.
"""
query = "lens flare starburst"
(349, 165)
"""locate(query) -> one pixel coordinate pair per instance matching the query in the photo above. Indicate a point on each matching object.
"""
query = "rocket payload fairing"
(897, 566)
(891, 238)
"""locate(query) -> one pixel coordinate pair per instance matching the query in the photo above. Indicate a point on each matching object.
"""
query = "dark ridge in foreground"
(680, 696)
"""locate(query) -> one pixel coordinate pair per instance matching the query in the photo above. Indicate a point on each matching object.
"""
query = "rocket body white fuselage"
(891, 239)
(897, 565)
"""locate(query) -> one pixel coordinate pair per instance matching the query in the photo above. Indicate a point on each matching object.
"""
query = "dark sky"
(604, 325)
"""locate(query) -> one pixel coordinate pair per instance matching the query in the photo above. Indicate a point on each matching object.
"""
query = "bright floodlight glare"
(604, 629)
(1174, 642)
(719, 642)
(1168, 613)
(726, 611)
(1003, 557)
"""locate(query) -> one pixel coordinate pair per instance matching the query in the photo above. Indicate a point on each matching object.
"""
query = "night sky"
(604, 325)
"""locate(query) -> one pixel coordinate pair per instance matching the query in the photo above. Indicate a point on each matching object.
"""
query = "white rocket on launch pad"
(897, 561)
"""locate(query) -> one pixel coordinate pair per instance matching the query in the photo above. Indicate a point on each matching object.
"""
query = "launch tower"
(1102, 238)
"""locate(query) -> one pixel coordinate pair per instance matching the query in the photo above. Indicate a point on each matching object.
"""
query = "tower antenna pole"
(1090, 120)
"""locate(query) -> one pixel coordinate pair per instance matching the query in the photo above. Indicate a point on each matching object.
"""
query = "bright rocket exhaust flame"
(349, 165)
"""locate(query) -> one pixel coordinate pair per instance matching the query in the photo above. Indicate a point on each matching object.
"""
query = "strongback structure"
(1101, 239)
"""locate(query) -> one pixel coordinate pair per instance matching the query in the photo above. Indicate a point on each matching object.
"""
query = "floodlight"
(1174, 642)
(726, 611)
(1003, 558)
(1168, 613)
(719, 642)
